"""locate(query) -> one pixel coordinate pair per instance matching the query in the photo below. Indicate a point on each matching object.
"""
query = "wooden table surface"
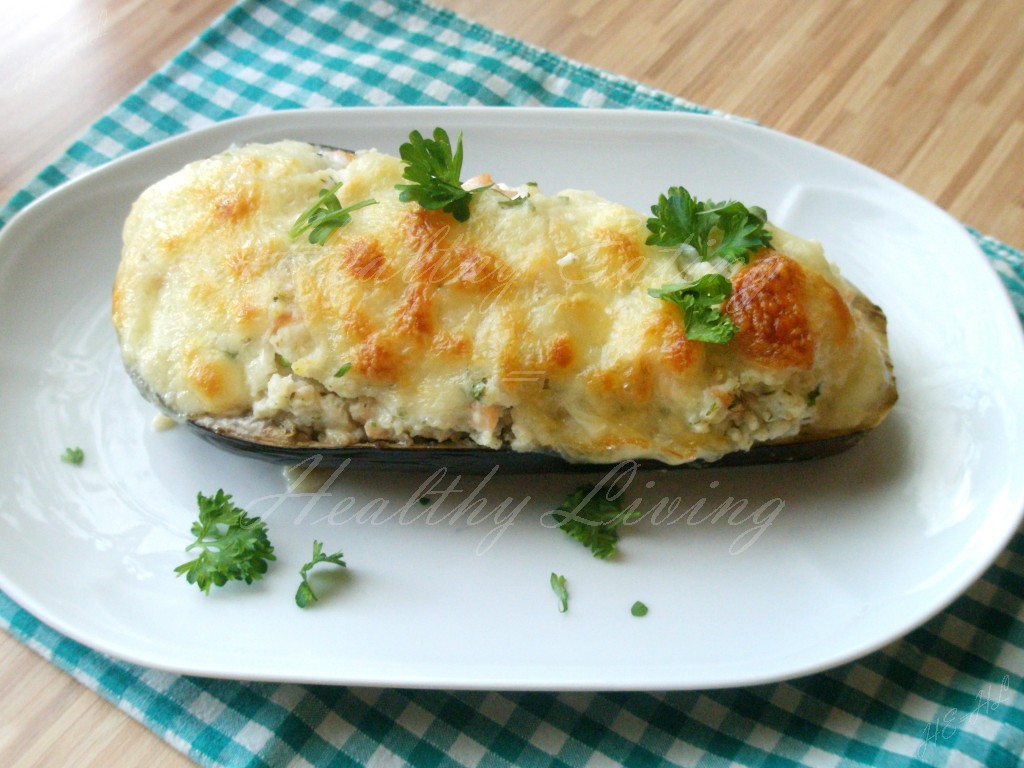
(930, 92)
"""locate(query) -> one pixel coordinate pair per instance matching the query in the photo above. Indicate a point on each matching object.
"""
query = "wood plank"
(924, 91)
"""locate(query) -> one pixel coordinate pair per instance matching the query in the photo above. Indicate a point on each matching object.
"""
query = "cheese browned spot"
(379, 358)
(203, 293)
(459, 264)
(355, 323)
(214, 377)
(560, 351)
(248, 318)
(767, 306)
(527, 326)
(628, 382)
(250, 260)
(668, 335)
(414, 313)
(280, 320)
(236, 198)
(473, 268)
(364, 259)
(232, 207)
(425, 231)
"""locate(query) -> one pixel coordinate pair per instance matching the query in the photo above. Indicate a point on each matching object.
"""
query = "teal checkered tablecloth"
(950, 693)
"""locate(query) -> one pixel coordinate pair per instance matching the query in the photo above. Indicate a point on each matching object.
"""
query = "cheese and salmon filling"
(529, 326)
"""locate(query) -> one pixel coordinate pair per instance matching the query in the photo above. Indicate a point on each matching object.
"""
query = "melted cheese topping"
(529, 325)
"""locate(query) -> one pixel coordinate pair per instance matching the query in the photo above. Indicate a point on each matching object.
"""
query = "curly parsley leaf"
(73, 456)
(561, 591)
(592, 519)
(676, 222)
(325, 216)
(728, 230)
(305, 595)
(699, 302)
(435, 172)
(234, 546)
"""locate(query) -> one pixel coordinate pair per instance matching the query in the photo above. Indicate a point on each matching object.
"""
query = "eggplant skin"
(474, 460)
(526, 332)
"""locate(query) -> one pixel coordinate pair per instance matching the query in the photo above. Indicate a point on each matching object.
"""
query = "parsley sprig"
(305, 595)
(234, 545)
(325, 216)
(700, 302)
(592, 519)
(435, 172)
(727, 230)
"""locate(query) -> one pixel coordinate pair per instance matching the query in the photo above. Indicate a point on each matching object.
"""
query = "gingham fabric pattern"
(950, 693)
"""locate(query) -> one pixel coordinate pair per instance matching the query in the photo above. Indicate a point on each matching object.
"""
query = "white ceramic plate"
(828, 561)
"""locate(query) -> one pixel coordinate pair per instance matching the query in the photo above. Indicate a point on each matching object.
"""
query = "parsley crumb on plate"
(73, 456)
(561, 592)
(305, 595)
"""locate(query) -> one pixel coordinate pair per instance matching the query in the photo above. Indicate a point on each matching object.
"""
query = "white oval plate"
(803, 568)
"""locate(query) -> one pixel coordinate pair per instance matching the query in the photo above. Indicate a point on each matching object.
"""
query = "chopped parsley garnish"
(282, 360)
(343, 370)
(234, 546)
(435, 172)
(728, 230)
(638, 609)
(592, 519)
(561, 592)
(73, 456)
(478, 389)
(699, 301)
(305, 595)
(513, 202)
(326, 215)
(814, 394)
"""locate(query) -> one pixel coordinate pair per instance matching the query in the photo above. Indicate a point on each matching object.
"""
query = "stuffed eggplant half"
(289, 300)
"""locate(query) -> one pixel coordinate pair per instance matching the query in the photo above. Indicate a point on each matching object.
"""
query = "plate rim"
(280, 119)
